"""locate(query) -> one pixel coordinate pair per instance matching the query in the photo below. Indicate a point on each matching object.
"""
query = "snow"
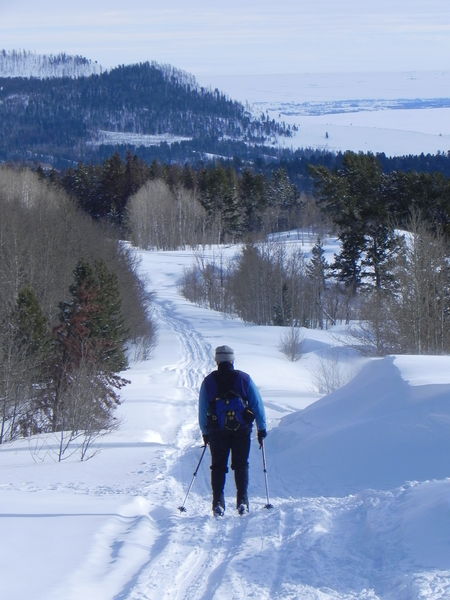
(398, 113)
(359, 478)
(22, 63)
(136, 139)
(395, 132)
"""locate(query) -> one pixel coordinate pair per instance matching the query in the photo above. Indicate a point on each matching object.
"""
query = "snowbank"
(389, 425)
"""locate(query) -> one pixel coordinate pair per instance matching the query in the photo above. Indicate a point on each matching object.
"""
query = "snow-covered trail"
(348, 548)
(144, 539)
(151, 551)
(110, 529)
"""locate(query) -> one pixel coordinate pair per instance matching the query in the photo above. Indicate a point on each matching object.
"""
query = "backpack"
(229, 411)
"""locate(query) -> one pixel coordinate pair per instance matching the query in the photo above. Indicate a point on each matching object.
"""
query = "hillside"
(69, 118)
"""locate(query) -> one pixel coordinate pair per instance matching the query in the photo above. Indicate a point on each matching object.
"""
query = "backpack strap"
(227, 383)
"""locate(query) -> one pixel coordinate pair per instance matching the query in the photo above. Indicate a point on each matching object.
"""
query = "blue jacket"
(243, 385)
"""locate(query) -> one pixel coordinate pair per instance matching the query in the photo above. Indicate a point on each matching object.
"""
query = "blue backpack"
(228, 411)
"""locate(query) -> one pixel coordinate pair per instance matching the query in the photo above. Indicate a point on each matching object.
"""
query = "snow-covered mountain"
(147, 105)
(22, 63)
(393, 113)
(359, 478)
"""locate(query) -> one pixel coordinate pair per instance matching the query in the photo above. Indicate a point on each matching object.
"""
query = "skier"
(229, 401)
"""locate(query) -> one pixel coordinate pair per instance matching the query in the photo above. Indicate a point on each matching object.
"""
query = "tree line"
(268, 285)
(72, 312)
(231, 203)
(396, 283)
(367, 205)
(170, 206)
(247, 200)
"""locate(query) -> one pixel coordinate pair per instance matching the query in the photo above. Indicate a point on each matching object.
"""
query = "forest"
(391, 275)
(72, 314)
(59, 120)
(249, 200)
(168, 206)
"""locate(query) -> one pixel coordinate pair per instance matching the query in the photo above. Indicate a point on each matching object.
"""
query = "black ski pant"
(221, 444)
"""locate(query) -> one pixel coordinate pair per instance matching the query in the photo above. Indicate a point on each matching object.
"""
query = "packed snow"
(359, 478)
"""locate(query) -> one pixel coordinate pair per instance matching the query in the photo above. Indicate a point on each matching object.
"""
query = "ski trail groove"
(192, 367)
(192, 556)
(183, 553)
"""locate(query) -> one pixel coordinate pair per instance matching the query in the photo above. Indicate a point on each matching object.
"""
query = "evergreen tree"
(348, 262)
(232, 211)
(353, 195)
(284, 197)
(381, 248)
(90, 336)
(92, 318)
(317, 267)
(252, 195)
(113, 189)
(136, 174)
(108, 324)
(24, 357)
(316, 272)
(31, 327)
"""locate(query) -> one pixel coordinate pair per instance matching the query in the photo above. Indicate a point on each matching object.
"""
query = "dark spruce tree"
(354, 198)
(32, 333)
(316, 271)
(29, 349)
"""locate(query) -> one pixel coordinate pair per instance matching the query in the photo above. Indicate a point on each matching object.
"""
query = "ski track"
(190, 557)
(304, 549)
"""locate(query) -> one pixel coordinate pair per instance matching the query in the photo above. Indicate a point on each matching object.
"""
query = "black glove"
(205, 439)
(262, 433)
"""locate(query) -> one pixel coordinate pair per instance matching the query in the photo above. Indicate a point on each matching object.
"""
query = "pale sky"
(227, 37)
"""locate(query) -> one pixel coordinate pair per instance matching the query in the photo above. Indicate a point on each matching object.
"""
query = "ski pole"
(182, 507)
(268, 505)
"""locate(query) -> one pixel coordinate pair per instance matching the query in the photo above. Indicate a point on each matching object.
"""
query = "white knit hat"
(224, 354)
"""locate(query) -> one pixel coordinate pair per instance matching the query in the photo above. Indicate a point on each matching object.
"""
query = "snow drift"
(378, 431)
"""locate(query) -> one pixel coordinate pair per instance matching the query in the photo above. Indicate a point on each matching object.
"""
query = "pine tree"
(135, 175)
(108, 324)
(354, 196)
(24, 358)
(348, 262)
(90, 339)
(113, 189)
(316, 271)
(317, 267)
(252, 195)
(31, 327)
(283, 196)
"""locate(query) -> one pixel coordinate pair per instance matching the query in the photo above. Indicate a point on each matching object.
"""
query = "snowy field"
(395, 113)
(396, 132)
(359, 478)
(136, 139)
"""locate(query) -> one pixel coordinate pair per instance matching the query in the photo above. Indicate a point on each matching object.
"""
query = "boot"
(241, 479)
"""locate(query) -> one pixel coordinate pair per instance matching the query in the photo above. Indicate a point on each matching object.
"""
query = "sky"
(237, 37)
